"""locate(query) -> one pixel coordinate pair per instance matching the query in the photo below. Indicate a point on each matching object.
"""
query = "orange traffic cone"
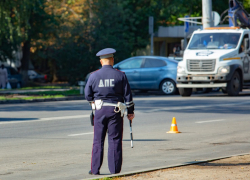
(173, 128)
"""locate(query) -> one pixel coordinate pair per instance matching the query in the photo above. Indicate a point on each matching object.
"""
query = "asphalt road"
(53, 140)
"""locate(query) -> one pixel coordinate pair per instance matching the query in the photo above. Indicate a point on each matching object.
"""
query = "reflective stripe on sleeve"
(129, 102)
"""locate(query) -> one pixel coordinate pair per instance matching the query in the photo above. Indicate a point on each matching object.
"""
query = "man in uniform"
(109, 93)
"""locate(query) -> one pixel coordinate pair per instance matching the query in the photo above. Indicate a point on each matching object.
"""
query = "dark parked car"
(15, 79)
(150, 73)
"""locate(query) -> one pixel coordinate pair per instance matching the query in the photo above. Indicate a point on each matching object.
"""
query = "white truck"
(217, 57)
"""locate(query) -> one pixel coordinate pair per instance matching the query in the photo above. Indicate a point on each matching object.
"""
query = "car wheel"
(168, 87)
(233, 86)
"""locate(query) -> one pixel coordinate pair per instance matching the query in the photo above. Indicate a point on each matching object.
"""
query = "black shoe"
(90, 172)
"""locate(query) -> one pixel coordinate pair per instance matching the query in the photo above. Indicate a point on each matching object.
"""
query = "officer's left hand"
(131, 116)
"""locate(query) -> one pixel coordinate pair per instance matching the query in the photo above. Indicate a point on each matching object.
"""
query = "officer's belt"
(109, 104)
(121, 107)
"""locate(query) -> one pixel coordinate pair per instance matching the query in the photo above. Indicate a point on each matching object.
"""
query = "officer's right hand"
(131, 116)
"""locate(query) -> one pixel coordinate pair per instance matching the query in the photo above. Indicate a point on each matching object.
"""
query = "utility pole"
(207, 19)
(151, 32)
(186, 29)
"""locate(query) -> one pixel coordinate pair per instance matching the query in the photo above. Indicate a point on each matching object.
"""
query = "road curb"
(164, 167)
(42, 100)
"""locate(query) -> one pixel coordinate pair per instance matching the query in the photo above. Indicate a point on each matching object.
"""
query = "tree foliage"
(14, 25)
(62, 37)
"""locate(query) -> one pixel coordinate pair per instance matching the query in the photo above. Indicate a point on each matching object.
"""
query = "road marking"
(69, 107)
(138, 111)
(62, 117)
(81, 134)
(46, 119)
(210, 121)
(192, 107)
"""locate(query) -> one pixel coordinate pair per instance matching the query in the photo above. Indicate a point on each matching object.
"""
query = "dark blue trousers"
(106, 119)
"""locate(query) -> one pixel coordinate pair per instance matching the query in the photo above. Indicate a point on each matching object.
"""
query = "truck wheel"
(185, 91)
(233, 86)
(168, 87)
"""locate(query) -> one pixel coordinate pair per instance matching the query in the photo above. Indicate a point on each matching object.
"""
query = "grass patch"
(107, 178)
(40, 94)
(40, 87)
(45, 87)
(4, 98)
(70, 92)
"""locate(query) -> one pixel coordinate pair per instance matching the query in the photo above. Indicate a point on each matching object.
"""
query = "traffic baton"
(131, 133)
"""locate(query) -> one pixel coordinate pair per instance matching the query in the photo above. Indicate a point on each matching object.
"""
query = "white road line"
(46, 119)
(140, 111)
(62, 117)
(210, 121)
(193, 107)
(69, 107)
(81, 134)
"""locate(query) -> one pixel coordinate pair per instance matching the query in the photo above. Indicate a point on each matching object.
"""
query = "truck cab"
(216, 57)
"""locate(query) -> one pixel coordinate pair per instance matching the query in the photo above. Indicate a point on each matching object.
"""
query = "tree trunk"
(54, 71)
(25, 62)
(91, 14)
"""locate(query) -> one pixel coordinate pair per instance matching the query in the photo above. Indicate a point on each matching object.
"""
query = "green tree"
(63, 36)
(13, 25)
(22, 23)
(63, 51)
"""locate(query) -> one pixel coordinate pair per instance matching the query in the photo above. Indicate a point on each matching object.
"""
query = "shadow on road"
(16, 119)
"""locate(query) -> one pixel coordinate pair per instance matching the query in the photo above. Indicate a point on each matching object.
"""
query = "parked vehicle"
(15, 79)
(150, 73)
(218, 57)
(34, 76)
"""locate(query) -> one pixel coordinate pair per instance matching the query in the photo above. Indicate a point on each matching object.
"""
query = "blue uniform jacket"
(111, 86)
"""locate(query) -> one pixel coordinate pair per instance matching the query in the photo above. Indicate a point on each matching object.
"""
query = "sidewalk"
(230, 168)
(13, 91)
(17, 91)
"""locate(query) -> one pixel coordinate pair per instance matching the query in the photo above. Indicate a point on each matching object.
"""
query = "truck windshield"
(214, 41)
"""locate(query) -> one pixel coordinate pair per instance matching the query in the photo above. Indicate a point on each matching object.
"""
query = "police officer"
(109, 92)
